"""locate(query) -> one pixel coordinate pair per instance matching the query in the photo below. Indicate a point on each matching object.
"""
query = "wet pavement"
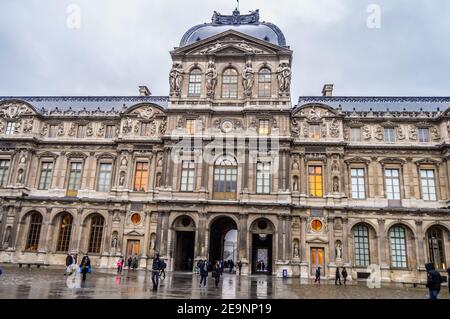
(50, 283)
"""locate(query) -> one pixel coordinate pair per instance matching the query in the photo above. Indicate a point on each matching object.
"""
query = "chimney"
(144, 91)
(327, 90)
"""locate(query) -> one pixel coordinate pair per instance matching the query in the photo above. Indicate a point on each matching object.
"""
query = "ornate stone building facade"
(332, 181)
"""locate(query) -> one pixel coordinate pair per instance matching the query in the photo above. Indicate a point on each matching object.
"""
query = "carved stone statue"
(400, 133)
(89, 130)
(284, 76)
(366, 134)
(176, 79)
(127, 126)
(295, 184)
(335, 184)
(23, 158)
(413, 133)
(44, 129)
(296, 250)
(124, 161)
(122, 178)
(61, 129)
(379, 135)
(20, 176)
(7, 236)
(72, 129)
(101, 130)
(338, 250)
(115, 242)
(248, 79)
(334, 129)
(28, 126)
(211, 80)
(435, 133)
(163, 127)
(152, 241)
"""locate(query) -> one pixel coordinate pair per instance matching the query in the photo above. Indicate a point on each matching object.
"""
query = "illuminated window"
(392, 184)
(361, 239)
(136, 219)
(96, 234)
(45, 178)
(315, 181)
(316, 225)
(190, 127)
(428, 184)
(187, 176)
(264, 127)
(424, 135)
(195, 80)
(436, 247)
(74, 176)
(141, 177)
(389, 134)
(10, 128)
(397, 236)
(358, 183)
(65, 230)
(230, 83)
(104, 177)
(314, 131)
(263, 178)
(264, 82)
(4, 169)
(225, 178)
(34, 232)
(355, 134)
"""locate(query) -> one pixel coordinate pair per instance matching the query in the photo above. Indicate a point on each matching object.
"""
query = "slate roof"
(44, 104)
(380, 103)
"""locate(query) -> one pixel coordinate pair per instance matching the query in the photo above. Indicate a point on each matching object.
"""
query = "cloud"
(121, 45)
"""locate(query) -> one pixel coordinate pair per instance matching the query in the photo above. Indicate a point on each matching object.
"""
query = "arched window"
(264, 82)
(361, 238)
(436, 247)
(225, 178)
(397, 235)
(65, 230)
(229, 84)
(96, 234)
(195, 80)
(34, 232)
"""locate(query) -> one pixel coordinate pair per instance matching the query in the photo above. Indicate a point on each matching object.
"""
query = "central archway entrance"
(223, 239)
(184, 243)
(262, 232)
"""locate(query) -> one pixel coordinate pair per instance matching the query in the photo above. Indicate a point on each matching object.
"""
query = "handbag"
(89, 269)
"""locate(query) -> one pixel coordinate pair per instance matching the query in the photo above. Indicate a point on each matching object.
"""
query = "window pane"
(4, 169)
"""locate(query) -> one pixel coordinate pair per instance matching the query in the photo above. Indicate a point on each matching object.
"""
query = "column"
(165, 168)
(288, 237)
(245, 176)
(331, 239)
(145, 245)
(287, 167)
(382, 257)
(159, 227)
(243, 249)
(74, 241)
(303, 220)
(107, 238)
(420, 244)
(43, 240)
(345, 239)
(200, 232)
(280, 170)
(15, 229)
(303, 175)
(280, 232)
(165, 234)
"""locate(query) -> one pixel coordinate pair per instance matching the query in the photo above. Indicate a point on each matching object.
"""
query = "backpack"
(163, 265)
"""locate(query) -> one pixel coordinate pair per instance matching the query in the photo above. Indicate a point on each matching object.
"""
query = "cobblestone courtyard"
(46, 283)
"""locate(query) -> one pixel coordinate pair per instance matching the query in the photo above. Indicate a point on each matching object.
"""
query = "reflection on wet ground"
(50, 283)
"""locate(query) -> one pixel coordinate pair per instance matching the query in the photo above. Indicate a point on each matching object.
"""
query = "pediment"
(14, 109)
(315, 112)
(145, 111)
(230, 42)
(133, 233)
(317, 240)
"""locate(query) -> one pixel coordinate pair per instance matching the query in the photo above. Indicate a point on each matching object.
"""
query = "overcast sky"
(123, 44)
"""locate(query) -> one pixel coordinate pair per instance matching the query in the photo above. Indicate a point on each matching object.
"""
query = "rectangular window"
(190, 126)
(53, 131)
(195, 80)
(315, 181)
(263, 178)
(187, 176)
(74, 176)
(45, 179)
(314, 131)
(81, 131)
(424, 135)
(104, 177)
(110, 131)
(4, 169)
(358, 183)
(392, 184)
(264, 83)
(389, 134)
(146, 129)
(264, 127)
(10, 128)
(428, 184)
(141, 177)
(355, 134)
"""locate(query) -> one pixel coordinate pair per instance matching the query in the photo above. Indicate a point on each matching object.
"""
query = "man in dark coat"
(239, 264)
(317, 275)
(448, 278)
(203, 272)
(338, 277)
(434, 280)
(129, 261)
(156, 267)
(344, 275)
(69, 260)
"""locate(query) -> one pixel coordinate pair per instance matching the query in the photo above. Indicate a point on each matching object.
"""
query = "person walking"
(337, 277)
(434, 280)
(203, 272)
(162, 272)
(129, 261)
(85, 264)
(317, 275)
(135, 263)
(156, 266)
(231, 263)
(73, 275)
(239, 264)
(119, 265)
(69, 261)
(344, 275)
(216, 272)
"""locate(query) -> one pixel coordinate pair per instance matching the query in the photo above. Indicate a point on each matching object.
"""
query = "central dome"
(247, 24)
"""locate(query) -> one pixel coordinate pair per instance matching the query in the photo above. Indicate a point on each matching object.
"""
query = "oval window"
(136, 219)
(316, 225)
(262, 224)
